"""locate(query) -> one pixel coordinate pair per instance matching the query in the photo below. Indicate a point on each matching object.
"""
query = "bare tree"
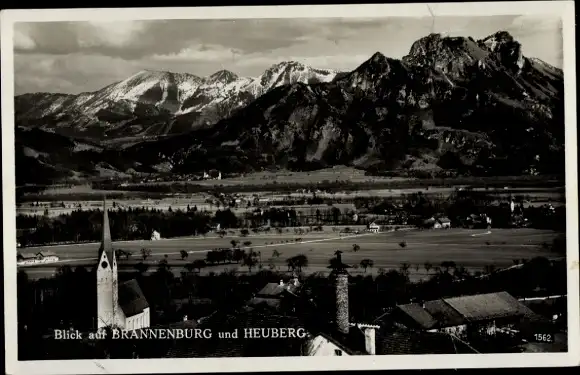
(198, 264)
(145, 253)
(366, 263)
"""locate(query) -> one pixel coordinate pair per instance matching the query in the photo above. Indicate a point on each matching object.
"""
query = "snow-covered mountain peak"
(222, 76)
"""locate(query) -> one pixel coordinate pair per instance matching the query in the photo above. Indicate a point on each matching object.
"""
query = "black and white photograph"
(265, 182)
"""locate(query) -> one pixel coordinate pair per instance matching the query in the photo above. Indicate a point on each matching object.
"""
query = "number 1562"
(543, 337)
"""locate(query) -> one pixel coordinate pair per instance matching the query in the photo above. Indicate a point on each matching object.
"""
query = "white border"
(564, 9)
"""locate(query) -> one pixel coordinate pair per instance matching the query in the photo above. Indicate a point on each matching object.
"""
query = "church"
(121, 305)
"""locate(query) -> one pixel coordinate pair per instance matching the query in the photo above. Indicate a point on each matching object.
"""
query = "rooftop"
(419, 315)
(131, 298)
(449, 312)
(444, 314)
(274, 290)
(489, 306)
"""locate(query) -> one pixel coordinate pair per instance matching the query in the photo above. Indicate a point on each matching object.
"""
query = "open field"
(472, 249)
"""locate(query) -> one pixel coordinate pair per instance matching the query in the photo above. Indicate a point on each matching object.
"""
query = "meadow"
(420, 252)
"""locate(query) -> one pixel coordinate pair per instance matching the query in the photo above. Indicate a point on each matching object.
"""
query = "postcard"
(263, 188)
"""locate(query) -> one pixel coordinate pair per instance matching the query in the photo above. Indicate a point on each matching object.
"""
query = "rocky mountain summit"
(451, 103)
(152, 103)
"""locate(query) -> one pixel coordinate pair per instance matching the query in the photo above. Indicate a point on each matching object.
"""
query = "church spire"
(106, 243)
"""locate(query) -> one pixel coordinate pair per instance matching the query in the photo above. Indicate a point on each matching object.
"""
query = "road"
(472, 249)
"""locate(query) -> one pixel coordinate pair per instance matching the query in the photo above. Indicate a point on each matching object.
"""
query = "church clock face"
(104, 264)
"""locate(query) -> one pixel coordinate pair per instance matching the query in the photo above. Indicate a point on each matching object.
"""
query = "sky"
(75, 57)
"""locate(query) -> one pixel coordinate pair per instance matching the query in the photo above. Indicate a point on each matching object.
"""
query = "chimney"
(370, 344)
(341, 286)
(369, 333)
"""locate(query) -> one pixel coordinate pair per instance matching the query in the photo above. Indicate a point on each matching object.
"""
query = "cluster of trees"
(125, 223)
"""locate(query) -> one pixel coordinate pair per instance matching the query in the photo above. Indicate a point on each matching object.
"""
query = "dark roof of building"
(272, 290)
(401, 341)
(449, 312)
(241, 346)
(445, 315)
(418, 315)
(481, 307)
(444, 219)
(270, 302)
(131, 298)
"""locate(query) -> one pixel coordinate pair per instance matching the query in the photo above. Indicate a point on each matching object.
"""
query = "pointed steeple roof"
(106, 243)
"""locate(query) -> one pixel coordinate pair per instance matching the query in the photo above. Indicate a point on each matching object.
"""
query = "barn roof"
(489, 306)
(418, 315)
(445, 315)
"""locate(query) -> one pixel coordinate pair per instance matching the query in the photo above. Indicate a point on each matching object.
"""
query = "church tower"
(107, 278)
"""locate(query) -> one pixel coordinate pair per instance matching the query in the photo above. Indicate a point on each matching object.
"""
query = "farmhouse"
(155, 236)
(39, 257)
(212, 175)
(277, 295)
(489, 313)
(374, 228)
(437, 223)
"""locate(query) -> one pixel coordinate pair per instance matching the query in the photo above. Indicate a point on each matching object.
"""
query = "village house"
(437, 223)
(277, 296)
(42, 256)
(212, 175)
(374, 228)
(155, 236)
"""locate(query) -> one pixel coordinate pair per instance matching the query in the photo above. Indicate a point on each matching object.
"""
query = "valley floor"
(470, 248)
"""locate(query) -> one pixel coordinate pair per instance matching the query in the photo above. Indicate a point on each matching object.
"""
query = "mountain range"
(451, 104)
(153, 103)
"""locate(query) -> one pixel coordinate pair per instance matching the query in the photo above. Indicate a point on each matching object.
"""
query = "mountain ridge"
(165, 98)
(452, 104)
